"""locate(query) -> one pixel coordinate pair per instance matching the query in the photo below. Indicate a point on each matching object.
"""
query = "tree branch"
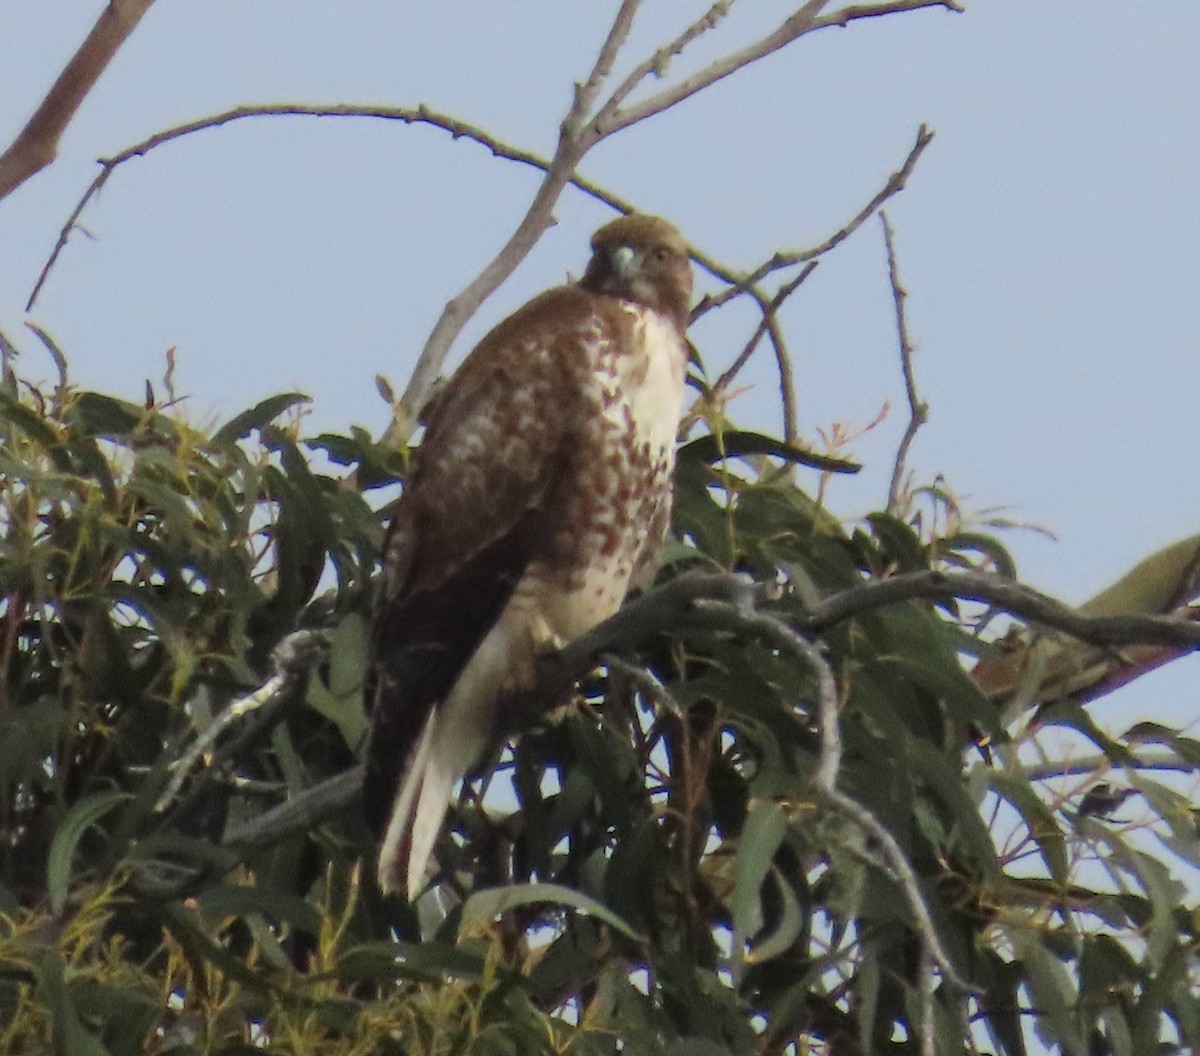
(892, 7)
(651, 613)
(769, 325)
(299, 813)
(618, 34)
(293, 657)
(728, 601)
(1096, 764)
(36, 145)
(792, 28)
(918, 411)
(806, 20)
(657, 63)
(1007, 594)
(419, 115)
(896, 182)
(902, 873)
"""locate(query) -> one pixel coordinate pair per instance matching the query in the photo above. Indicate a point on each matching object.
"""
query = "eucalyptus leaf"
(484, 906)
(67, 837)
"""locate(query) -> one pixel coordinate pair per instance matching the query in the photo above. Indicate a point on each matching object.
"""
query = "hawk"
(541, 488)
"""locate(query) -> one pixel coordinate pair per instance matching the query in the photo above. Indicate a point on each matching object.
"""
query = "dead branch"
(36, 145)
(578, 134)
(792, 28)
(657, 63)
(419, 115)
(896, 182)
(583, 127)
(293, 658)
(1097, 764)
(1008, 595)
(769, 325)
(299, 813)
(893, 7)
(918, 410)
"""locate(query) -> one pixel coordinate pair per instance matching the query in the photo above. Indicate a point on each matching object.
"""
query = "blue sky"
(1049, 239)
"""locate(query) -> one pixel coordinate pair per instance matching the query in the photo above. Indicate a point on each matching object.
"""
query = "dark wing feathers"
(468, 522)
(421, 643)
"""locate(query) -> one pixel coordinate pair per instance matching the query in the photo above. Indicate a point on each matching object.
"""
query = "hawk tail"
(420, 805)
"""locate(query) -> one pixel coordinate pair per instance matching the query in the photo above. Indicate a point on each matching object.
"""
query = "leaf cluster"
(648, 869)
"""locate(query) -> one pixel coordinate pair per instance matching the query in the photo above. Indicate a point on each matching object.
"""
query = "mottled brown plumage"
(540, 489)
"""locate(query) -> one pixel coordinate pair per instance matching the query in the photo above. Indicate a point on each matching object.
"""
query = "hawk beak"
(624, 261)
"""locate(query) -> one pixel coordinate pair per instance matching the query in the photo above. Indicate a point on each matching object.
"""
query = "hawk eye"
(660, 254)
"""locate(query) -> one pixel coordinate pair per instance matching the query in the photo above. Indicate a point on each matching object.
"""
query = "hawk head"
(643, 259)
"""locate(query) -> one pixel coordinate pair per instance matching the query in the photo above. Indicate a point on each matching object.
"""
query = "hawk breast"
(615, 500)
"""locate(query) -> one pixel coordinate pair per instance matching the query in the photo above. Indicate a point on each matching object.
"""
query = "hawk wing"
(469, 522)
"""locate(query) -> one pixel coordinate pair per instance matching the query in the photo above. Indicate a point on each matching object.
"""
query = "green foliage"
(662, 878)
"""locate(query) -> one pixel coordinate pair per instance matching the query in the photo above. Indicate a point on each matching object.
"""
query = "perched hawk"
(543, 484)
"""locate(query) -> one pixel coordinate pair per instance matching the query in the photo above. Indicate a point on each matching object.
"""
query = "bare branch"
(918, 411)
(420, 115)
(292, 658)
(1009, 595)
(769, 325)
(787, 381)
(657, 62)
(1097, 764)
(892, 7)
(576, 137)
(902, 873)
(800, 23)
(298, 813)
(617, 35)
(896, 182)
(793, 27)
(36, 145)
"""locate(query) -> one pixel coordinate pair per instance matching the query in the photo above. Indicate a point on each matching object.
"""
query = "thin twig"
(902, 873)
(36, 145)
(896, 182)
(618, 34)
(293, 657)
(420, 115)
(743, 617)
(1098, 763)
(765, 326)
(893, 7)
(918, 410)
(791, 29)
(787, 381)
(806, 20)
(657, 63)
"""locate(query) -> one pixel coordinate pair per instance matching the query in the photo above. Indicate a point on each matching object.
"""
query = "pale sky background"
(1049, 239)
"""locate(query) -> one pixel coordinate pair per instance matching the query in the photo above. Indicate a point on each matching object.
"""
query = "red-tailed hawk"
(542, 486)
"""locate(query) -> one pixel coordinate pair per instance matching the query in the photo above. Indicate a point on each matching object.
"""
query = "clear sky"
(1049, 239)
